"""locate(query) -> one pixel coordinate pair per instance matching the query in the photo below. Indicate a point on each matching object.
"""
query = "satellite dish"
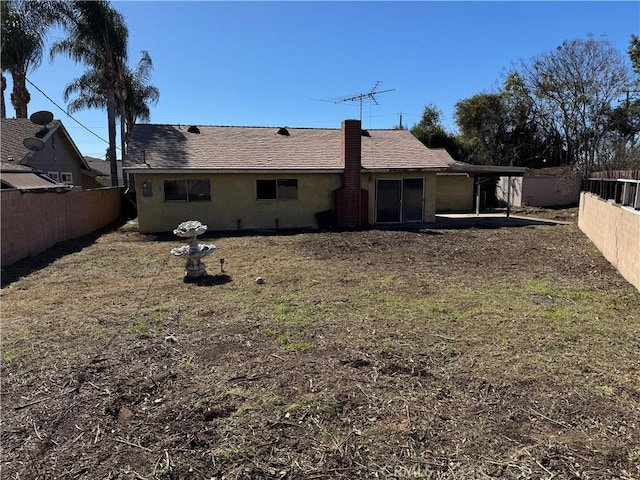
(34, 144)
(42, 117)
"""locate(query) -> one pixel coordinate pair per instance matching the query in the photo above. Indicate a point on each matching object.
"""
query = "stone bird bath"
(194, 251)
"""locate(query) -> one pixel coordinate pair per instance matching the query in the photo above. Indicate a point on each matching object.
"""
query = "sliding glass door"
(399, 201)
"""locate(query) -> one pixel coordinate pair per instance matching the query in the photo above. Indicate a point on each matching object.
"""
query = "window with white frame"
(54, 175)
(66, 177)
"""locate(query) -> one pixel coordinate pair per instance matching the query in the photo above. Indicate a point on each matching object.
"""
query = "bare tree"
(574, 88)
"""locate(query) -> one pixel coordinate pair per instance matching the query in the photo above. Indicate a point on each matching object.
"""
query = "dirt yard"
(462, 353)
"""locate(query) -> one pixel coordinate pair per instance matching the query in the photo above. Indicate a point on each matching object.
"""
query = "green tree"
(140, 93)
(90, 92)
(530, 140)
(431, 133)
(482, 123)
(24, 26)
(97, 37)
(502, 128)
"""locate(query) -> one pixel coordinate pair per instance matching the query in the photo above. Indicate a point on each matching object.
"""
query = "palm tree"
(140, 95)
(97, 36)
(132, 106)
(136, 98)
(3, 108)
(24, 26)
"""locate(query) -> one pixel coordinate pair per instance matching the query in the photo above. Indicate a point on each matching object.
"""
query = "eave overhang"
(209, 171)
(488, 170)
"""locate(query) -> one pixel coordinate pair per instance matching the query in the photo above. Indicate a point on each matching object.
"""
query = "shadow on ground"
(209, 280)
(29, 265)
(453, 222)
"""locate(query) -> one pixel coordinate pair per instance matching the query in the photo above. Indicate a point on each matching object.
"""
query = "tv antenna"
(371, 94)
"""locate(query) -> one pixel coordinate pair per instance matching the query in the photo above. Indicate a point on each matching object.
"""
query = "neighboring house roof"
(15, 130)
(492, 170)
(22, 177)
(103, 167)
(559, 171)
(219, 148)
(8, 166)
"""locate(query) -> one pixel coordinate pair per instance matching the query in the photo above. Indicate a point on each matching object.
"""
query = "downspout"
(477, 186)
(125, 179)
(508, 195)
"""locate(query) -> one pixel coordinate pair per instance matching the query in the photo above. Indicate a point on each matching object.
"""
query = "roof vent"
(283, 131)
(193, 129)
(365, 133)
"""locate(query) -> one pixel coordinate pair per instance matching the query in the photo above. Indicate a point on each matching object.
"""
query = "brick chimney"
(351, 202)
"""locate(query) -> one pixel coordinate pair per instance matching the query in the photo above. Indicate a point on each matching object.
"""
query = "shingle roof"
(28, 181)
(23, 177)
(13, 131)
(8, 166)
(262, 148)
(103, 167)
(399, 149)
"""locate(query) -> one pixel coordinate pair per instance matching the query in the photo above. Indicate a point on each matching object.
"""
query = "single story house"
(44, 145)
(237, 178)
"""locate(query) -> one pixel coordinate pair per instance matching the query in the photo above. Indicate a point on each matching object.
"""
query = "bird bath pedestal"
(194, 251)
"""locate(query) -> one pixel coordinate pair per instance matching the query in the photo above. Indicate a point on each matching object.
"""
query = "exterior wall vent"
(283, 131)
(193, 129)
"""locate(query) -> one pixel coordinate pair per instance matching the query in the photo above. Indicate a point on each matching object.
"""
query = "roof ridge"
(187, 125)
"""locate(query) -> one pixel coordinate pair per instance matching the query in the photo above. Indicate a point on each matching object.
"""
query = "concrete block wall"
(32, 222)
(615, 231)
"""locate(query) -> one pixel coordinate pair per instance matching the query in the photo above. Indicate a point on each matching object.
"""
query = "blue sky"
(286, 63)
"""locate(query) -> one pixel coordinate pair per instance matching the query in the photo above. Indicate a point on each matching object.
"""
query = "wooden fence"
(617, 174)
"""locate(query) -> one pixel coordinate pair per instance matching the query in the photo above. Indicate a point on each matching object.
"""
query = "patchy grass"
(477, 353)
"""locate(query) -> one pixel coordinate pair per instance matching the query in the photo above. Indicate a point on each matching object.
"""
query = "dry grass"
(479, 353)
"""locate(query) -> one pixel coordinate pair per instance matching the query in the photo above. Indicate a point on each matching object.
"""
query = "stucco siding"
(514, 195)
(233, 204)
(550, 191)
(540, 191)
(454, 193)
